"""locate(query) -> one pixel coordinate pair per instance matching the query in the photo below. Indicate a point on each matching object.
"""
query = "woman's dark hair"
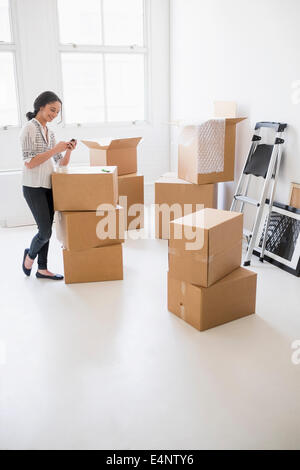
(44, 98)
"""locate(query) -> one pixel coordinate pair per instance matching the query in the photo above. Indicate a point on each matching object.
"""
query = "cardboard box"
(209, 246)
(84, 188)
(181, 196)
(188, 155)
(131, 197)
(84, 230)
(295, 195)
(231, 298)
(119, 152)
(94, 265)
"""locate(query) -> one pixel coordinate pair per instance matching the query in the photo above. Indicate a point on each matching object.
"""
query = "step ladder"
(263, 161)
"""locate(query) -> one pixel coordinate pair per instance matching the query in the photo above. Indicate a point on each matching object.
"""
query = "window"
(103, 60)
(83, 92)
(4, 22)
(8, 93)
(125, 87)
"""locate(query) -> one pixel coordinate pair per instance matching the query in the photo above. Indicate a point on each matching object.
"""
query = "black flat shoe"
(26, 271)
(56, 277)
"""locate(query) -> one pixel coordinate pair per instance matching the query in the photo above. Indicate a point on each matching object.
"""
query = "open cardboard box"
(188, 158)
(205, 246)
(170, 190)
(116, 152)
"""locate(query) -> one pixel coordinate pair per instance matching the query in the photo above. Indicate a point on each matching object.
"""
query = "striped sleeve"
(28, 145)
(58, 156)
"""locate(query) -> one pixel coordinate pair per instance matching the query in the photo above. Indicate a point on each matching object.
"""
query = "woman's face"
(51, 111)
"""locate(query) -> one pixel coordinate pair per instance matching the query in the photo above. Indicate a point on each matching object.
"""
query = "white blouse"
(34, 142)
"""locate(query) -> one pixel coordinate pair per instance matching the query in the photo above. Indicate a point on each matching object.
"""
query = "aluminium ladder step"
(247, 200)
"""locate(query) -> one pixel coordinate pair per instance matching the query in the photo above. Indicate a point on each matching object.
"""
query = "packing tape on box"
(183, 292)
(183, 287)
(182, 312)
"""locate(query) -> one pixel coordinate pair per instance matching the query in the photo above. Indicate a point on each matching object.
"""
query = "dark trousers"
(40, 202)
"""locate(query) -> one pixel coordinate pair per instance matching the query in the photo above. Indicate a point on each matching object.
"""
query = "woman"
(39, 150)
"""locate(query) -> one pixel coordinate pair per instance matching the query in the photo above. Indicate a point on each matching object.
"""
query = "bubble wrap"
(207, 142)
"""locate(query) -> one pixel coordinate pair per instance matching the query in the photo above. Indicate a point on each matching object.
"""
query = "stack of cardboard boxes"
(206, 285)
(123, 154)
(193, 188)
(90, 224)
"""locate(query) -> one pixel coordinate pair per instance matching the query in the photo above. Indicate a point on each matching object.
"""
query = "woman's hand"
(72, 145)
(61, 147)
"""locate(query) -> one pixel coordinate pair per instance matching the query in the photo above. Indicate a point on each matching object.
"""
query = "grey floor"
(106, 366)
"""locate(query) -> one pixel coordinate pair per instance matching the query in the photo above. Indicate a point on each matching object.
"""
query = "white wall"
(243, 51)
(38, 56)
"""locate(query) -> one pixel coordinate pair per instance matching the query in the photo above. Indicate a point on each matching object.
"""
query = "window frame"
(98, 49)
(13, 48)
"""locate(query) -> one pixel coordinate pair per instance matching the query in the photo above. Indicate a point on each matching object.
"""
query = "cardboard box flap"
(124, 143)
(94, 145)
(235, 120)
